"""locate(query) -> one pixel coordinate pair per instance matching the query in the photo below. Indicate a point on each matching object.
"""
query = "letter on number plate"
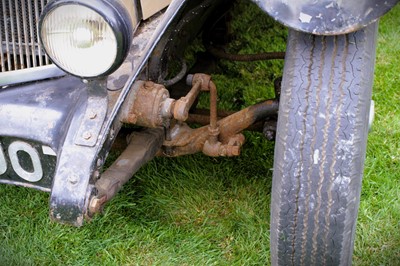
(13, 150)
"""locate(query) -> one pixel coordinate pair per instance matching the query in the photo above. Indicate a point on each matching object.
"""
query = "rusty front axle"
(167, 133)
(151, 106)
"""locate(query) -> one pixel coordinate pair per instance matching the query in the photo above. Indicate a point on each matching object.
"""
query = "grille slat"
(38, 8)
(25, 29)
(37, 14)
(19, 35)
(14, 47)
(1, 48)
(31, 33)
(5, 22)
(46, 58)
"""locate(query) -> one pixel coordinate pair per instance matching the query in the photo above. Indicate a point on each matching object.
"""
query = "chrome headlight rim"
(114, 14)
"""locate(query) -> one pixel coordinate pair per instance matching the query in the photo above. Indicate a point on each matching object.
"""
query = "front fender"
(326, 17)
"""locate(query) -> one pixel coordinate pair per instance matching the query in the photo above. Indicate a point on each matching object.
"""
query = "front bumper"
(40, 141)
(36, 118)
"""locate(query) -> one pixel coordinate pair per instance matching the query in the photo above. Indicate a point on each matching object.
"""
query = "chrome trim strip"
(30, 74)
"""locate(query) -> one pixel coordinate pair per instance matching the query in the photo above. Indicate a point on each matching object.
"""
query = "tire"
(320, 147)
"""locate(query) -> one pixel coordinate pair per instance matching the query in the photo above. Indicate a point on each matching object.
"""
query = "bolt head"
(92, 115)
(73, 179)
(87, 135)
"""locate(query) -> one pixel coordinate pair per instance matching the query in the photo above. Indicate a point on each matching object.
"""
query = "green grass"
(378, 231)
(196, 210)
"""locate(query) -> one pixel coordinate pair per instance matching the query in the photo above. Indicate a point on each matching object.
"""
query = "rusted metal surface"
(213, 108)
(202, 118)
(241, 120)
(185, 140)
(145, 109)
(182, 106)
(212, 147)
(142, 147)
(149, 105)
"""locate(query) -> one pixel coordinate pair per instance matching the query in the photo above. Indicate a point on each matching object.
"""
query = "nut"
(96, 204)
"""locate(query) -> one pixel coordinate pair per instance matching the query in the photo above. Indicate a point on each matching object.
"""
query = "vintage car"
(73, 73)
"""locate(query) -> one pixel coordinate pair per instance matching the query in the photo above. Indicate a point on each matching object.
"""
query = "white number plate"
(26, 162)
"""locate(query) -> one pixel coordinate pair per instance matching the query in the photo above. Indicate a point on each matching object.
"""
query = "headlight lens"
(82, 41)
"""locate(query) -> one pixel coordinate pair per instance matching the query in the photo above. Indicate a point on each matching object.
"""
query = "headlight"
(86, 38)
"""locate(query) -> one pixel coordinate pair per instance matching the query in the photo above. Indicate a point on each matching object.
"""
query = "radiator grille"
(20, 47)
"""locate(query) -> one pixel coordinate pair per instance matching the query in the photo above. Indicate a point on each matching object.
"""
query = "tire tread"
(320, 148)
